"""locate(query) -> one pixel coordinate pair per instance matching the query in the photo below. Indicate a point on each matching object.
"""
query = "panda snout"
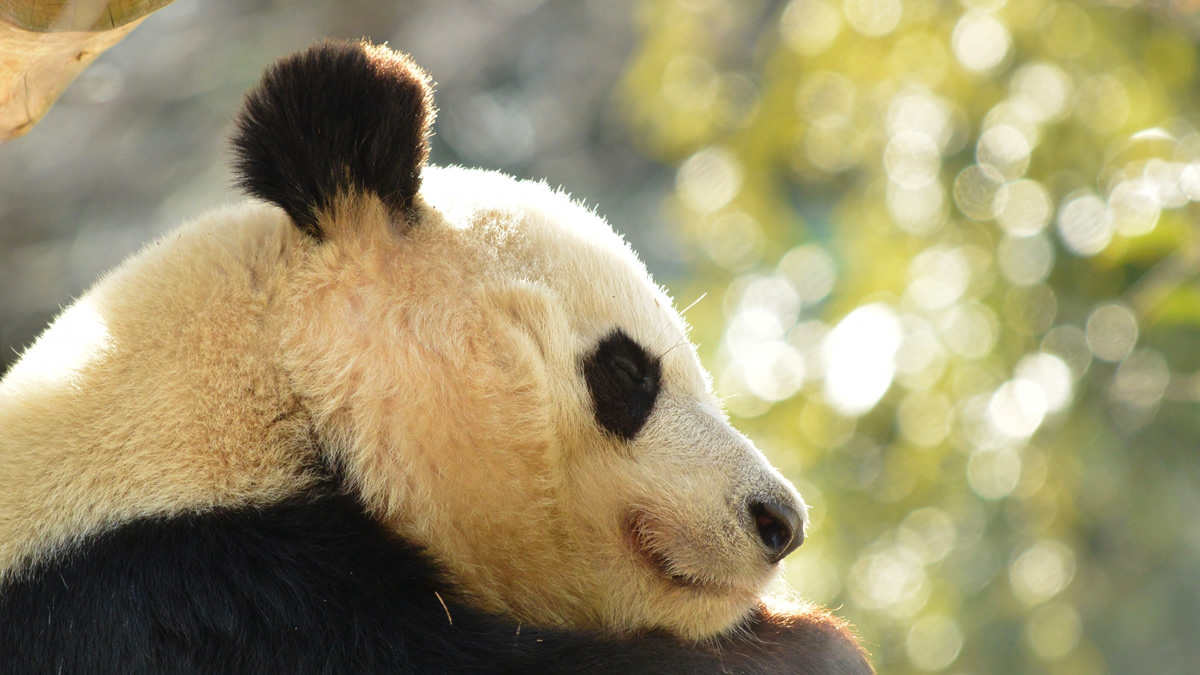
(779, 526)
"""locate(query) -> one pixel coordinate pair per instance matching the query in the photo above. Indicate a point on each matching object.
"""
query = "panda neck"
(154, 392)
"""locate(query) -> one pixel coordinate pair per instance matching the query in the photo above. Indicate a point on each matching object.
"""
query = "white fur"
(439, 360)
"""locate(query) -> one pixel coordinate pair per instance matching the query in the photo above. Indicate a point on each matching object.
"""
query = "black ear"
(339, 119)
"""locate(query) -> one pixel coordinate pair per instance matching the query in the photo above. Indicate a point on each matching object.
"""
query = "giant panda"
(385, 417)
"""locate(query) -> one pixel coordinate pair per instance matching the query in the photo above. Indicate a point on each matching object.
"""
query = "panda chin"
(643, 535)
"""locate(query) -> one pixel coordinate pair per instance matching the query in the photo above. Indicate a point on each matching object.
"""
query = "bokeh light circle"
(709, 179)
(873, 17)
(980, 41)
(1041, 571)
(1025, 260)
(1027, 210)
(859, 355)
(980, 191)
(1086, 224)
(1112, 331)
(810, 26)
(933, 642)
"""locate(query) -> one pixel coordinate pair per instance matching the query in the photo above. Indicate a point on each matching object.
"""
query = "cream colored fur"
(438, 361)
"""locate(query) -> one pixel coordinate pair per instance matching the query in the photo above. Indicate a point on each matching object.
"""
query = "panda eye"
(623, 381)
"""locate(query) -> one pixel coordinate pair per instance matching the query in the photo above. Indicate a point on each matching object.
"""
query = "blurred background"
(944, 253)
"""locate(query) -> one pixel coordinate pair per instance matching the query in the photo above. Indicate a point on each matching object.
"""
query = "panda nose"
(779, 526)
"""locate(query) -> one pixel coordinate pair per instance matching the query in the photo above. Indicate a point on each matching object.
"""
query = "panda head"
(495, 373)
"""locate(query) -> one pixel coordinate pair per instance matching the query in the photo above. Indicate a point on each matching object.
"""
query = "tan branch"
(44, 44)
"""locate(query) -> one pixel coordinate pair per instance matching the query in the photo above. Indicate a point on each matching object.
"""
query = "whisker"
(677, 345)
(694, 303)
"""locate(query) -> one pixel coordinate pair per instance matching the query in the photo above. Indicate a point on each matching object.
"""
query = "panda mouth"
(642, 533)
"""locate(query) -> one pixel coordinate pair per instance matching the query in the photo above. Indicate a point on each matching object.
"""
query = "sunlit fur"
(438, 362)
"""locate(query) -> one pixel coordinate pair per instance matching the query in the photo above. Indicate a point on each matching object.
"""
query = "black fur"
(623, 381)
(337, 119)
(316, 586)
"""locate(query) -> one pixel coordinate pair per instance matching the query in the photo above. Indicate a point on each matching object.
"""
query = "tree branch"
(44, 44)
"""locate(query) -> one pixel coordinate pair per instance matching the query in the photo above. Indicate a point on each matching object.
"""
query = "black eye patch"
(623, 381)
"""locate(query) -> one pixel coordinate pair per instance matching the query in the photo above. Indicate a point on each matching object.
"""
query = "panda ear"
(338, 120)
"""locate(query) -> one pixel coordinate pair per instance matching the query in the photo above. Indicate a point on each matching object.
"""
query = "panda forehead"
(542, 235)
(488, 202)
(533, 233)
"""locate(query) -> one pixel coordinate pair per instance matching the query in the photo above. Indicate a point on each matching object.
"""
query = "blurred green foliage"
(950, 256)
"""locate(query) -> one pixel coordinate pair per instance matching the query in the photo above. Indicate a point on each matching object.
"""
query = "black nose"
(779, 526)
